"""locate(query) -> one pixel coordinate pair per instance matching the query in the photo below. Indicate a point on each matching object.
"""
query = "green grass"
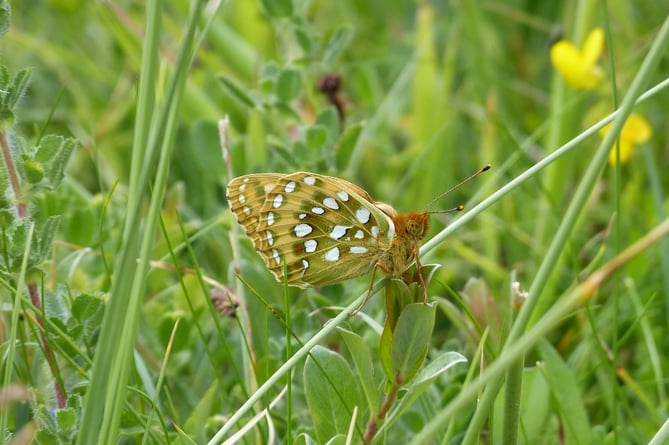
(109, 330)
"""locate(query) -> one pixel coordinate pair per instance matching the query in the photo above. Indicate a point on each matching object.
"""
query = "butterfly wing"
(246, 196)
(325, 229)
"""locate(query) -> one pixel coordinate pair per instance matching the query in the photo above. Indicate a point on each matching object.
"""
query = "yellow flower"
(578, 67)
(635, 131)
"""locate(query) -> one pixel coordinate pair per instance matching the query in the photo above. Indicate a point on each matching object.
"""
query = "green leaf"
(362, 359)
(13, 237)
(19, 86)
(397, 296)
(385, 350)
(438, 366)
(411, 340)
(268, 78)
(205, 405)
(288, 154)
(11, 90)
(58, 426)
(236, 91)
(47, 160)
(347, 144)
(435, 369)
(5, 14)
(80, 226)
(61, 151)
(316, 137)
(66, 419)
(565, 392)
(166, 326)
(87, 310)
(339, 439)
(278, 8)
(329, 119)
(337, 43)
(31, 170)
(289, 84)
(538, 421)
(305, 38)
(332, 392)
(44, 239)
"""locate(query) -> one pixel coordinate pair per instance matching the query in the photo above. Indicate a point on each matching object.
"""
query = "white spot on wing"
(318, 210)
(375, 231)
(247, 210)
(309, 180)
(330, 203)
(310, 245)
(242, 199)
(339, 231)
(275, 255)
(358, 249)
(278, 200)
(302, 215)
(332, 255)
(290, 187)
(270, 237)
(270, 218)
(305, 263)
(302, 230)
(343, 196)
(359, 234)
(242, 187)
(363, 215)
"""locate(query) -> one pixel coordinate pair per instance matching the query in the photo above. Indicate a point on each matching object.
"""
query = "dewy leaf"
(332, 392)
(411, 339)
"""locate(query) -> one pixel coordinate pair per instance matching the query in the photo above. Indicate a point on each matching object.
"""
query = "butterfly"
(324, 228)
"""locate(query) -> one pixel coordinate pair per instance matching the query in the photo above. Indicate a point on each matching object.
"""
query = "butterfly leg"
(369, 292)
(419, 271)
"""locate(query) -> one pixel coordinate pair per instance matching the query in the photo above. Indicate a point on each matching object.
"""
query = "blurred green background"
(431, 92)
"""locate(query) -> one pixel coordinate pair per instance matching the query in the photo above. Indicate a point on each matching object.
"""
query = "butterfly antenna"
(459, 208)
(464, 181)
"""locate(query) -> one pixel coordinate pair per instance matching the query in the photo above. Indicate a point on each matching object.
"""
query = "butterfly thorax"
(410, 229)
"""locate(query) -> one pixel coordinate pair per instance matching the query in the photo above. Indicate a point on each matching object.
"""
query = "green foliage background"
(433, 91)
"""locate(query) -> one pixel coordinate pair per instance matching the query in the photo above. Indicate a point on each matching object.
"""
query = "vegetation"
(135, 310)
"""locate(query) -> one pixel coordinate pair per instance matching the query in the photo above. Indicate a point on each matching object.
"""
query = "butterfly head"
(412, 226)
